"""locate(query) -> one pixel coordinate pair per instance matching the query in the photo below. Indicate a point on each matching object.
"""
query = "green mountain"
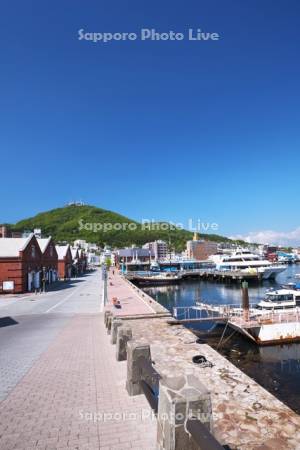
(104, 227)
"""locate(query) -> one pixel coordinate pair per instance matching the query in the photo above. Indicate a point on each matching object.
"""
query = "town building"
(49, 259)
(64, 261)
(82, 261)
(158, 248)
(75, 261)
(20, 265)
(134, 254)
(108, 255)
(86, 246)
(200, 249)
(4, 231)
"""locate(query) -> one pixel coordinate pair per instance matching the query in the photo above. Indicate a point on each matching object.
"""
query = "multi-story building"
(200, 249)
(158, 248)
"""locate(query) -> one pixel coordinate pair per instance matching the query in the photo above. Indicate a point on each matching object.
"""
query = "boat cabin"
(280, 299)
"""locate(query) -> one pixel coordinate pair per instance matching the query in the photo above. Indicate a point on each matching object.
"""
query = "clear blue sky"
(164, 130)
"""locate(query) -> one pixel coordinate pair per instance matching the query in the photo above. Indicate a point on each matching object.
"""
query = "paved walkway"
(133, 301)
(73, 394)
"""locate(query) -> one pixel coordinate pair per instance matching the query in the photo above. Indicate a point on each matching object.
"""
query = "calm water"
(277, 368)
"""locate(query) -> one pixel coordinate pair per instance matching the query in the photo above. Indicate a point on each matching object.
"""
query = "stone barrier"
(124, 335)
(109, 322)
(106, 314)
(115, 324)
(135, 350)
(180, 399)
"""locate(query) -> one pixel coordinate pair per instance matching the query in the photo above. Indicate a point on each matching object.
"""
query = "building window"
(51, 250)
(33, 251)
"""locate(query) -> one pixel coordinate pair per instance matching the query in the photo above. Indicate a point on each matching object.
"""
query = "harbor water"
(277, 368)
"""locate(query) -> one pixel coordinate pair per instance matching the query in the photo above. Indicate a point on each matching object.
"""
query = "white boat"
(280, 299)
(245, 261)
(154, 277)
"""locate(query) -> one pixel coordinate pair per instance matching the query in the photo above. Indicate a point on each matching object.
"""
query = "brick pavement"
(134, 302)
(76, 379)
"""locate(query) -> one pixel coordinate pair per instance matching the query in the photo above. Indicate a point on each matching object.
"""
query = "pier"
(205, 274)
(273, 327)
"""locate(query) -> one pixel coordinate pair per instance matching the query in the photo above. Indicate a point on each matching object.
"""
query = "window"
(33, 251)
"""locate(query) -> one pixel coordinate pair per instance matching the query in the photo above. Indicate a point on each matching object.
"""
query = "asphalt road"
(29, 324)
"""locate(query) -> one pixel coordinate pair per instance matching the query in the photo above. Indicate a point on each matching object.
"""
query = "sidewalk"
(75, 380)
(133, 301)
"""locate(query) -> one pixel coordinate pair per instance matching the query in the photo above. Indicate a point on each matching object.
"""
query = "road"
(29, 324)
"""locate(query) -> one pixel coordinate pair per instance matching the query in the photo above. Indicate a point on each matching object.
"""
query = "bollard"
(116, 323)
(106, 314)
(180, 399)
(135, 350)
(124, 335)
(109, 322)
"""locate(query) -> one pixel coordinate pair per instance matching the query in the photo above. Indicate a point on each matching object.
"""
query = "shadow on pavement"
(60, 285)
(7, 321)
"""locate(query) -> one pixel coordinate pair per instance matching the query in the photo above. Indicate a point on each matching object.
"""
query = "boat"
(243, 260)
(156, 278)
(280, 299)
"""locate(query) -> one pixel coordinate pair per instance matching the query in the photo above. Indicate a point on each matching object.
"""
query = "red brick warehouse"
(20, 264)
(49, 259)
(64, 261)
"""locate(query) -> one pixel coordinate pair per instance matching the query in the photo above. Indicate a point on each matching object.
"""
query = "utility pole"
(104, 279)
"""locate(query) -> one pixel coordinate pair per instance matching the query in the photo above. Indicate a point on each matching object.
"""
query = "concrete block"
(181, 398)
(106, 314)
(116, 323)
(135, 350)
(124, 335)
(109, 322)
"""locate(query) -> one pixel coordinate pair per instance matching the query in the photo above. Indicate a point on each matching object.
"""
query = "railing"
(236, 314)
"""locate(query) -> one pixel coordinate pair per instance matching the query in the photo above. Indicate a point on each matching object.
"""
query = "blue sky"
(166, 130)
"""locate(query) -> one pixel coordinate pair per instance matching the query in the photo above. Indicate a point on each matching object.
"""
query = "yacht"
(280, 299)
(243, 260)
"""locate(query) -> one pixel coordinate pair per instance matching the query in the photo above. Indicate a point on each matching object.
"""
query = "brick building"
(200, 249)
(64, 261)
(49, 259)
(20, 264)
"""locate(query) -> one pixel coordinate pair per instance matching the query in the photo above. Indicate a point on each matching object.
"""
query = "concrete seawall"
(245, 415)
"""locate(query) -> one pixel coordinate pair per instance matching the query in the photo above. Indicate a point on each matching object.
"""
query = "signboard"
(8, 285)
